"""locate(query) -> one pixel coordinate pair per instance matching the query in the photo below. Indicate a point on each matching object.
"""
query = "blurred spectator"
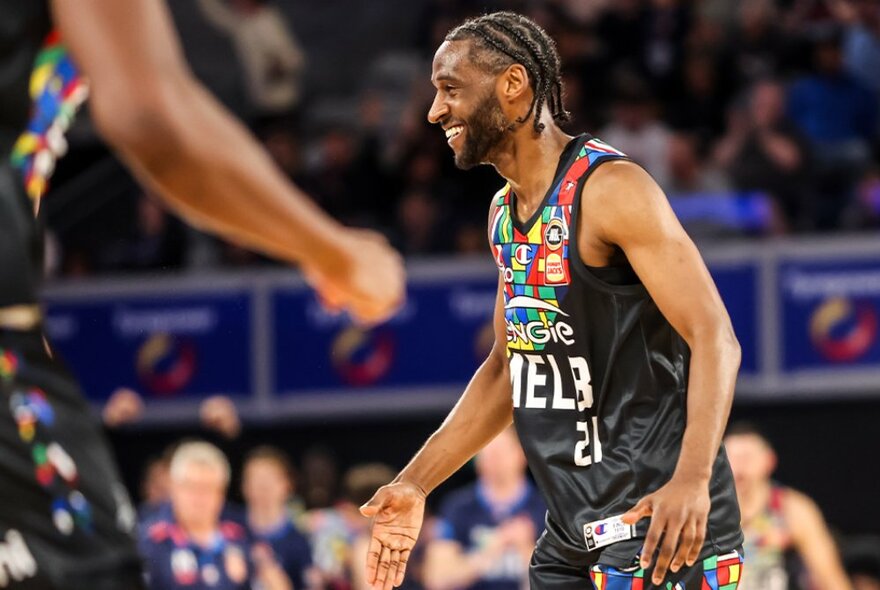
(830, 106)
(157, 243)
(270, 55)
(218, 413)
(779, 523)
(763, 151)
(687, 172)
(190, 545)
(861, 39)
(418, 219)
(487, 531)
(320, 478)
(666, 28)
(155, 488)
(635, 130)
(339, 533)
(759, 46)
(839, 116)
(346, 176)
(699, 105)
(123, 407)
(267, 486)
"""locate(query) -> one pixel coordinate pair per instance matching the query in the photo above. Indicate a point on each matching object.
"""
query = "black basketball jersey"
(34, 111)
(599, 376)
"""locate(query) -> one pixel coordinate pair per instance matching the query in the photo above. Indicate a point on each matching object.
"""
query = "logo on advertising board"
(166, 364)
(363, 357)
(843, 330)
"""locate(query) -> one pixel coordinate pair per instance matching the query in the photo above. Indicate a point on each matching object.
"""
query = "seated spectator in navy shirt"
(831, 105)
(267, 486)
(189, 546)
(487, 531)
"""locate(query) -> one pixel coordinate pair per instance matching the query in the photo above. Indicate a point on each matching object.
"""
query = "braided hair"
(504, 38)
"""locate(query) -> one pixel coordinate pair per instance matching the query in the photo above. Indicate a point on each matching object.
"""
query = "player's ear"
(513, 83)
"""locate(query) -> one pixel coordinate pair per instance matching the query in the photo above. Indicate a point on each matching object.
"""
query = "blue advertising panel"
(830, 314)
(439, 338)
(164, 348)
(738, 286)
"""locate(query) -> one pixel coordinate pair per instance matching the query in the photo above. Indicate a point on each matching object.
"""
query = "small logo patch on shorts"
(608, 531)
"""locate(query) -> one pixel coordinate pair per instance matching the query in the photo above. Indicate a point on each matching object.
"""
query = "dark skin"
(188, 149)
(643, 229)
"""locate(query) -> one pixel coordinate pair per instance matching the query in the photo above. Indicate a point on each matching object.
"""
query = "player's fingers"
(699, 539)
(401, 570)
(671, 534)
(382, 568)
(373, 554)
(652, 539)
(393, 565)
(639, 511)
(685, 544)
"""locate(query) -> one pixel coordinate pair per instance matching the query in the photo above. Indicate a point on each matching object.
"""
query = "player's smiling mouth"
(453, 132)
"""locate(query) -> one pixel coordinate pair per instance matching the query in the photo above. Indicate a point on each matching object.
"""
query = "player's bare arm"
(814, 542)
(622, 207)
(181, 142)
(484, 410)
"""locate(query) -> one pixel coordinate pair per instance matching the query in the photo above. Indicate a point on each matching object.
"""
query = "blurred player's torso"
(599, 376)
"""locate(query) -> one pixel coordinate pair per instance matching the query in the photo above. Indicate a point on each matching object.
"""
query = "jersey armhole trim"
(574, 255)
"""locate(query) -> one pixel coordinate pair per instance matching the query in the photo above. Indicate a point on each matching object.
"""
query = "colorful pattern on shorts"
(57, 91)
(54, 469)
(718, 572)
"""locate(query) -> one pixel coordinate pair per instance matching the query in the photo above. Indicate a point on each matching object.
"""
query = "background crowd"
(758, 118)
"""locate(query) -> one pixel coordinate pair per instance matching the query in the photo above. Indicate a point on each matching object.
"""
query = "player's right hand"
(397, 510)
(367, 279)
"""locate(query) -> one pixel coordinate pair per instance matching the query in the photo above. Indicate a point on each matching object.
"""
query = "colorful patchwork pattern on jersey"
(718, 572)
(534, 265)
(57, 91)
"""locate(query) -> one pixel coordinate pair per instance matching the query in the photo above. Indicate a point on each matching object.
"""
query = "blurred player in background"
(64, 513)
(267, 487)
(487, 531)
(614, 354)
(784, 529)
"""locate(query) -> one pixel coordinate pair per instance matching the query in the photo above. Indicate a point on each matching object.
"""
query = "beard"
(485, 130)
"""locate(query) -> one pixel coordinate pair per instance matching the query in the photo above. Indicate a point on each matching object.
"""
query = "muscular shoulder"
(622, 200)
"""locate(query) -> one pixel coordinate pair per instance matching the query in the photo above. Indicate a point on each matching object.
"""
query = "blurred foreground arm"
(182, 143)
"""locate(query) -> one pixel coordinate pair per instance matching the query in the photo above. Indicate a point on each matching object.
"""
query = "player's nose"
(438, 111)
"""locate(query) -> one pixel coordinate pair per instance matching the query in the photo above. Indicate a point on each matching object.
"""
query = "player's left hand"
(679, 512)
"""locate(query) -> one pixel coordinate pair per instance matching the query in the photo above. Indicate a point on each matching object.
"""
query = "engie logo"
(843, 331)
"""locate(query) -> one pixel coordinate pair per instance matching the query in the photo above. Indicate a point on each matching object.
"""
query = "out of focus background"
(759, 118)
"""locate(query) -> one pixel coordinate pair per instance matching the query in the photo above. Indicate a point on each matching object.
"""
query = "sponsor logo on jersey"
(538, 332)
(554, 270)
(523, 254)
(524, 301)
(554, 234)
(17, 563)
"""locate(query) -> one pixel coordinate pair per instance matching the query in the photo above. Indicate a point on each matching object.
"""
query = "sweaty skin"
(643, 229)
(186, 147)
